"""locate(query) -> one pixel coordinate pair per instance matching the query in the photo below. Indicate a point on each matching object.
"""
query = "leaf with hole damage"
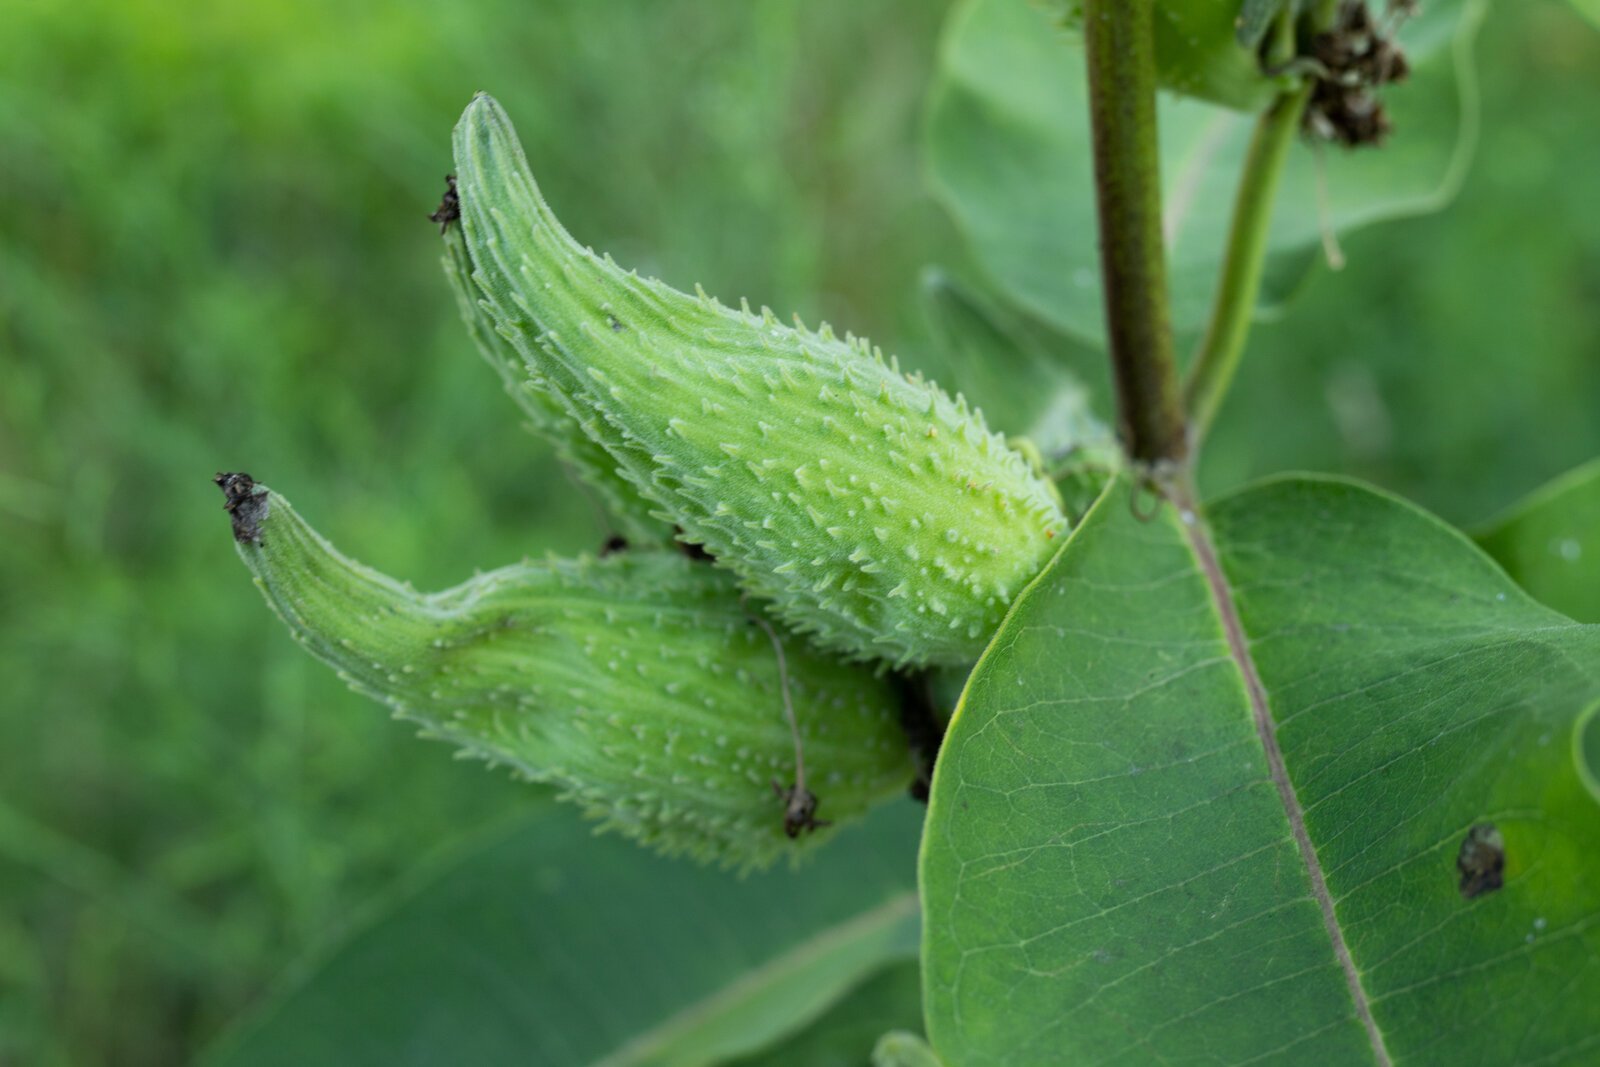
(547, 945)
(1008, 150)
(1119, 867)
(1550, 543)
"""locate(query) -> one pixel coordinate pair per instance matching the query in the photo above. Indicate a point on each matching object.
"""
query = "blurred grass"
(216, 256)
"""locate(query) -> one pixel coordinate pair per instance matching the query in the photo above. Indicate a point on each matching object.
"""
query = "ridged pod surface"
(629, 513)
(869, 508)
(637, 683)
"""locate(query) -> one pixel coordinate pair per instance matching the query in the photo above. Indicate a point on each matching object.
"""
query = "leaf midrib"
(647, 1046)
(1197, 534)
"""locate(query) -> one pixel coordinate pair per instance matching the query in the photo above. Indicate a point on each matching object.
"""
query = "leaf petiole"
(1213, 366)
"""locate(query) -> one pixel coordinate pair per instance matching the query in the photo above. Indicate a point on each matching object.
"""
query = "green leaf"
(1550, 543)
(1138, 852)
(1254, 18)
(1199, 54)
(549, 946)
(1586, 749)
(1011, 368)
(1589, 9)
(1008, 150)
(890, 999)
(901, 1049)
(1204, 48)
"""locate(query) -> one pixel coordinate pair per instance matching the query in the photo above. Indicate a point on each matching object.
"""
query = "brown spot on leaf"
(1482, 860)
(246, 502)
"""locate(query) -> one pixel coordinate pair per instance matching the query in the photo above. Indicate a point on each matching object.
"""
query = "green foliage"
(545, 945)
(1204, 48)
(890, 998)
(1008, 149)
(1255, 17)
(901, 1049)
(1115, 866)
(1351, 375)
(1199, 54)
(218, 257)
(1586, 749)
(1550, 543)
(873, 512)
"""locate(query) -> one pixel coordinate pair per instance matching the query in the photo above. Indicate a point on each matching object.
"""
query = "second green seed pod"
(639, 684)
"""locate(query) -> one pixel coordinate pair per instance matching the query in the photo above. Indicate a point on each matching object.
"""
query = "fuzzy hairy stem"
(1120, 44)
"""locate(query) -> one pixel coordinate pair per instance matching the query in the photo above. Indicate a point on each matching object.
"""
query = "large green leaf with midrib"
(889, 1000)
(1111, 874)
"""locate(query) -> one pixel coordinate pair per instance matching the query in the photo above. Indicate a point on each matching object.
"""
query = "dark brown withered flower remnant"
(449, 209)
(245, 503)
(1352, 60)
(799, 809)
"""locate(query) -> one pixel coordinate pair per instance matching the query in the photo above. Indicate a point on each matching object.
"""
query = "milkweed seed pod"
(638, 683)
(628, 512)
(871, 510)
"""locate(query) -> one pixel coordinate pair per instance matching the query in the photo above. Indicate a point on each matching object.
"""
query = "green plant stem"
(1120, 44)
(1214, 363)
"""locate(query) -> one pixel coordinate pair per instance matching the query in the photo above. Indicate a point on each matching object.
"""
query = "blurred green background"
(215, 256)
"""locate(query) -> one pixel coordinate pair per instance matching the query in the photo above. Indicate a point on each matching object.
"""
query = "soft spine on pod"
(629, 513)
(636, 683)
(874, 512)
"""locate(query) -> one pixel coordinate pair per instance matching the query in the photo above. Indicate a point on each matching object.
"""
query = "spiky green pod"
(874, 512)
(629, 513)
(639, 683)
